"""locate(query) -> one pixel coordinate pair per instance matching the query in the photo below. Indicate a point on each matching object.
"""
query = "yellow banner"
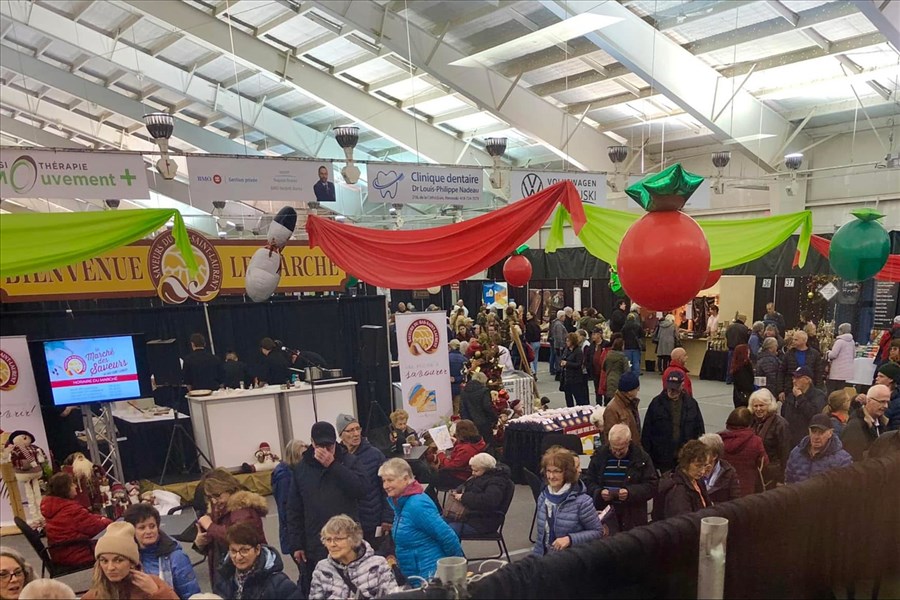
(155, 269)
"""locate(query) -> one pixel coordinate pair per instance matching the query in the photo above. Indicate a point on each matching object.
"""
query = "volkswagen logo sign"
(531, 184)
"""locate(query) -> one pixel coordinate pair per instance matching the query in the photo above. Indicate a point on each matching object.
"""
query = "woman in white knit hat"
(117, 573)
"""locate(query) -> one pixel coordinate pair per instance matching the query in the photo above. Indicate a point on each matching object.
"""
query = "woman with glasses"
(565, 511)
(683, 490)
(229, 504)
(251, 568)
(118, 572)
(15, 573)
(352, 569)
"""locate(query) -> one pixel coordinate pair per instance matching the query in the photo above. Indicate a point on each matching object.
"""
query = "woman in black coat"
(574, 382)
(742, 375)
(252, 570)
(683, 490)
(486, 496)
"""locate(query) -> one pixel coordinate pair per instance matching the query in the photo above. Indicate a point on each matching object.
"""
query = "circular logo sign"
(23, 174)
(532, 184)
(9, 372)
(217, 179)
(422, 337)
(170, 275)
(74, 365)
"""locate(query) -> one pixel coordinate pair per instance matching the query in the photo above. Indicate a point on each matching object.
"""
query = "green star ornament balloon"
(860, 248)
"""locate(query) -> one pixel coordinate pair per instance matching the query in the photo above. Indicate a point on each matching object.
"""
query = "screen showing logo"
(170, 275)
(422, 337)
(9, 372)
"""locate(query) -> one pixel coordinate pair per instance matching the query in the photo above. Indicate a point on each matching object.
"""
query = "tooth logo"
(386, 183)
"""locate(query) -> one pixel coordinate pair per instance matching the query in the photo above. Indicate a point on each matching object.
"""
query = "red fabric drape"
(422, 258)
(890, 272)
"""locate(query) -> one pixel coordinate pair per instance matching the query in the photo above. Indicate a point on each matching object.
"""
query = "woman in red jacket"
(66, 519)
(744, 450)
(455, 466)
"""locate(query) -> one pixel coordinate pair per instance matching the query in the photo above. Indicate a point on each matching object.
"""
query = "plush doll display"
(266, 460)
(28, 461)
(88, 478)
(120, 500)
(134, 492)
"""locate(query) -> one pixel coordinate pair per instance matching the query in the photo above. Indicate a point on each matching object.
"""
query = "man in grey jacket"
(557, 339)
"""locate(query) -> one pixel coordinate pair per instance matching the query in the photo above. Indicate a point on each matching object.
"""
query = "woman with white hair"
(772, 428)
(841, 358)
(722, 483)
(420, 535)
(47, 589)
(485, 495)
(352, 569)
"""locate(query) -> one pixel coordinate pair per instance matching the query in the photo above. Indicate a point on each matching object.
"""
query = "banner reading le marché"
(424, 368)
(155, 268)
(51, 174)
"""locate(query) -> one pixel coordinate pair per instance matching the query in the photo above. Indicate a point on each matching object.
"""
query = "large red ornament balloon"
(663, 260)
(517, 270)
(712, 279)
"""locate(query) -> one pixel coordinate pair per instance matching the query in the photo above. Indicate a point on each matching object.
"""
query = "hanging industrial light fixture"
(793, 161)
(160, 125)
(347, 137)
(617, 154)
(496, 147)
(720, 160)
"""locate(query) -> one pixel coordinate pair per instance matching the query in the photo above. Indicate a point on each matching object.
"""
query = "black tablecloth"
(143, 454)
(715, 365)
(522, 449)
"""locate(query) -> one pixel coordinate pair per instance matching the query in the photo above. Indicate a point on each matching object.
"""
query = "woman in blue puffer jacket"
(161, 555)
(565, 511)
(282, 478)
(420, 535)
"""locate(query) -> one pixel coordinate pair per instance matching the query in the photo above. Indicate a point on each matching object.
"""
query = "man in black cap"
(672, 419)
(889, 374)
(326, 483)
(201, 369)
(817, 452)
(801, 403)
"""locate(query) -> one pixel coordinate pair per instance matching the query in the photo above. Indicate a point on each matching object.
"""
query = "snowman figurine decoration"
(28, 461)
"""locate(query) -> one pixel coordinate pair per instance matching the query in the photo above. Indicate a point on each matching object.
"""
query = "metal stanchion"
(711, 569)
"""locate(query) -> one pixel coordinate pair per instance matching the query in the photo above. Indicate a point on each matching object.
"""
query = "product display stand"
(109, 460)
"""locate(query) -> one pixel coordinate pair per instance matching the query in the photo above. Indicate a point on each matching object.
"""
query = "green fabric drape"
(38, 242)
(731, 243)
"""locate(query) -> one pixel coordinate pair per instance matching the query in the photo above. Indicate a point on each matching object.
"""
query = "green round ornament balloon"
(860, 248)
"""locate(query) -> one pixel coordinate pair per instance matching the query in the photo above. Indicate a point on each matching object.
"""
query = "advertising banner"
(19, 407)
(155, 268)
(591, 186)
(258, 178)
(91, 175)
(424, 368)
(414, 184)
(495, 294)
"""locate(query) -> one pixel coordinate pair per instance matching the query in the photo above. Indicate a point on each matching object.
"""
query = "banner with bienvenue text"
(591, 186)
(249, 178)
(415, 184)
(92, 175)
(19, 406)
(424, 368)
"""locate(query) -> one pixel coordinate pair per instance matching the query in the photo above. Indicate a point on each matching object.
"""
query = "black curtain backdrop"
(329, 326)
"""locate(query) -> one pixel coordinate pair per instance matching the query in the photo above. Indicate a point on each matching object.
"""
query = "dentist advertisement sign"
(415, 184)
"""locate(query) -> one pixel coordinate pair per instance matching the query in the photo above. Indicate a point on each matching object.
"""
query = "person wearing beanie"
(374, 509)
(889, 374)
(117, 572)
(327, 482)
(624, 407)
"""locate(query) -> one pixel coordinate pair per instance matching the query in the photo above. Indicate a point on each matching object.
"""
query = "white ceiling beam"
(255, 115)
(463, 111)
(690, 13)
(101, 96)
(416, 136)
(76, 12)
(686, 80)
(505, 99)
(837, 107)
(885, 16)
(225, 6)
(274, 22)
(784, 12)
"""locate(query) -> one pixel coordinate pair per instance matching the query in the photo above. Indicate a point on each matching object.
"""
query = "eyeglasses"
(9, 575)
(334, 540)
(552, 471)
(244, 552)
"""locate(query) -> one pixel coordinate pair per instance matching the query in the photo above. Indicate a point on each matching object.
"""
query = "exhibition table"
(303, 405)
(143, 452)
(863, 371)
(715, 365)
(229, 425)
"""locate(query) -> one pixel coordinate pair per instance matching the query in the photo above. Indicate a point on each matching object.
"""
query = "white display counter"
(230, 425)
(301, 406)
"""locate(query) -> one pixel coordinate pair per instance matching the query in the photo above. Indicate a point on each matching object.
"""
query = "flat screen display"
(85, 370)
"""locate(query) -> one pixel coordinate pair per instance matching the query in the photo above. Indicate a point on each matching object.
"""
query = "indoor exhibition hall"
(327, 299)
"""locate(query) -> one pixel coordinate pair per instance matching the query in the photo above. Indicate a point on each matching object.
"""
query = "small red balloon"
(517, 270)
(663, 260)
(712, 279)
